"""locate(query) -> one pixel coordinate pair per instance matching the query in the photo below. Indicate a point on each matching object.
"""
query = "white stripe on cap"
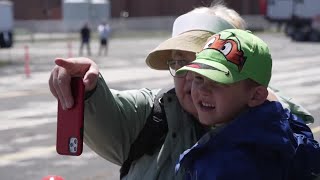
(199, 21)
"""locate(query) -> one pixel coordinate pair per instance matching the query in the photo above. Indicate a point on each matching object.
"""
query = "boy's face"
(218, 103)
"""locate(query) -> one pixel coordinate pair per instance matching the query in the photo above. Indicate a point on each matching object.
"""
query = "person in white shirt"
(104, 31)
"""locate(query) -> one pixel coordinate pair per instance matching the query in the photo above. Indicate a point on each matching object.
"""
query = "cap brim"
(214, 71)
(192, 41)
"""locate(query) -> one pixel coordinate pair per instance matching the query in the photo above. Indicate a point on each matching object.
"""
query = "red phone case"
(70, 122)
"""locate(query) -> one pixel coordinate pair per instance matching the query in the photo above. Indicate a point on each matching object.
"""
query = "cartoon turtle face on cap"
(229, 46)
(233, 55)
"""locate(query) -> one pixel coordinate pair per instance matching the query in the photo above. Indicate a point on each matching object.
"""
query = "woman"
(114, 119)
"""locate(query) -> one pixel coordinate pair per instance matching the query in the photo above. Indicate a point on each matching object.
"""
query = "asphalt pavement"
(28, 110)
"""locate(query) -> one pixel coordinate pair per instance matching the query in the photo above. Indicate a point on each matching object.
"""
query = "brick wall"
(37, 9)
(142, 8)
(52, 9)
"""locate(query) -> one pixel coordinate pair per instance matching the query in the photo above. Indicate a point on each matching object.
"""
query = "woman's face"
(183, 83)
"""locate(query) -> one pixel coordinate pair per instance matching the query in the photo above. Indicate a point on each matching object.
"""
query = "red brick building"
(142, 8)
(37, 9)
(52, 9)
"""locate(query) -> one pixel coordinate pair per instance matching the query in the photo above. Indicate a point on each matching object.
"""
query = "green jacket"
(113, 120)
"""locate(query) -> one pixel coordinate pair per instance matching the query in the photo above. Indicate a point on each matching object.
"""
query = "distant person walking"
(85, 39)
(104, 31)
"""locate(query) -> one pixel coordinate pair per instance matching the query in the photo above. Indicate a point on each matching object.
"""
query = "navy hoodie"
(265, 142)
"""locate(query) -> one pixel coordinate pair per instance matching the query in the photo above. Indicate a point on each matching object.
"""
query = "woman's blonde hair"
(219, 9)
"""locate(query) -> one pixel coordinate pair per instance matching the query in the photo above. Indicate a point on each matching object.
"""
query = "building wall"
(143, 8)
(37, 9)
(52, 9)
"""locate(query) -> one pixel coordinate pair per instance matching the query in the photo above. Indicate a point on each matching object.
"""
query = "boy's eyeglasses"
(174, 65)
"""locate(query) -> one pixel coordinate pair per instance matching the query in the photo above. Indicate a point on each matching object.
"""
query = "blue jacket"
(266, 142)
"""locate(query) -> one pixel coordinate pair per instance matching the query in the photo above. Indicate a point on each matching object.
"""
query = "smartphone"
(70, 122)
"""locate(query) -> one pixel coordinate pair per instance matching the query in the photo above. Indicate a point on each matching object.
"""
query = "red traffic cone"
(52, 177)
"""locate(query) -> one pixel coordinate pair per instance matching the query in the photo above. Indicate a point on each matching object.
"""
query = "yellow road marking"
(13, 94)
(26, 154)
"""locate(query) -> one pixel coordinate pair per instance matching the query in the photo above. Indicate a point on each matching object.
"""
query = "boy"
(251, 138)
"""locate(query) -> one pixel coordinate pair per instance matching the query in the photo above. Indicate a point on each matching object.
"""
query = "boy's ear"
(258, 96)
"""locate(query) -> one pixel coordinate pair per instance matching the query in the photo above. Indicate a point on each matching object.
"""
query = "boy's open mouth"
(206, 106)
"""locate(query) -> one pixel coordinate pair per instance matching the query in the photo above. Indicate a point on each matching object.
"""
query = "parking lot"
(28, 110)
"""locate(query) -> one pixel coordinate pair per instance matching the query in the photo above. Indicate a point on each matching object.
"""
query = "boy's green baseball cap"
(233, 55)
